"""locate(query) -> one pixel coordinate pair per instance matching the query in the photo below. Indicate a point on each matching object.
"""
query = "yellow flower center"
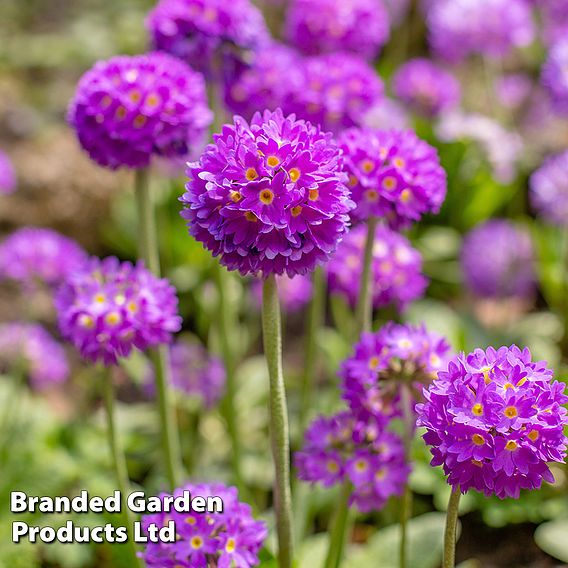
(510, 412)
(380, 474)
(266, 196)
(508, 386)
(113, 318)
(522, 382)
(251, 174)
(120, 113)
(294, 174)
(373, 363)
(371, 195)
(477, 409)
(399, 162)
(352, 181)
(135, 96)
(477, 463)
(100, 298)
(389, 183)
(153, 100)
(139, 121)
(296, 210)
(86, 321)
(314, 194)
(533, 435)
(361, 466)
(511, 445)
(196, 542)
(272, 161)
(132, 307)
(405, 195)
(106, 101)
(367, 166)
(191, 520)
(231, 545)
(332, 467)
(235, 196)
(250, 216)
(478, 439)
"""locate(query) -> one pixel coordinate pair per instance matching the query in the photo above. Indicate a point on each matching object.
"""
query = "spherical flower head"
(33, 255)
(7, 175)
(130, 108)
(497, 260)
(338, 91)
(555, 77)
(203, 32)
(29, 348)
(426, 88)
(388, 114)
(493, 420)
(231, 537)
(268, 197)
(328, 26)
(396, 270)
(294, 293)
(372, 374)
(491, 28)
(392, 174)
(549, 189)
(109, 307)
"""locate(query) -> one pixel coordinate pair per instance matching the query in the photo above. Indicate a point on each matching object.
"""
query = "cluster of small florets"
(392, 174)
(130, 108)
(342, 447)
(29, 349)
(494, 419)
(109, 307)
(549, 189)
(293, 293)
(555, 78)
(268, 197)
(7, 175)
(231, 537)
(396, 270)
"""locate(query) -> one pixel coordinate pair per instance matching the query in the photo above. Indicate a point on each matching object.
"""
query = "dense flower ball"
(492, 28)
(130, 108)
(392, 174)
(109, 307)
(343, 447)
(549, 189)
(371, 376)
(7, 175)
(231, 537)
(269, 197)
(31, 255)
(497, 260)
(327, 26)
(426, 87)
(493, 420)
(203, 32)
(555, 77)
(294, 293)
(396, 268)
(29, 348)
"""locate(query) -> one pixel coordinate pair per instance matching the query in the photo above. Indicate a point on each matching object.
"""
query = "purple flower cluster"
(426, 88)
(294, 293)
(29, 348)
(555, 77)
(32, 254)
(231, 537)
(549, 189)
(396, 351)
(497, 260)
(108, 307)
(7, 175)
(392, 174)
(268, 197)
(396, 268)
(554, 17)
(328, 26)
(342, 447)
(493, 420)
(202, 32)
(130, 108)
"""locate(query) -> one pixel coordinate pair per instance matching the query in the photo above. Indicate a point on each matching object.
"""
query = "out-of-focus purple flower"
(497, 260)
(130, 108)
(492, 28)
(225, 538)
(32, 254)
(342, 447)
(555, 76)
(398, 9)
(554, 19)
(549, 189)
(327, 26)
(372, 375)
(396, 268)
(28, 348)
(513, 89)
(493, 420)
(269, 197)
(426, 88)
(294, 293)
(392, 174)
(109, 307)
(388, 114)
(7, 175)
(204, 32)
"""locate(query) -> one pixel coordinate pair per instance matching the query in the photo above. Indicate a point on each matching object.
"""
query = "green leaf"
(552, 538)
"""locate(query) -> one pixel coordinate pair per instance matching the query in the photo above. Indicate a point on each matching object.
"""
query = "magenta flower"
(549, 189)
(130, 108)
(7, 175)
(396, 269)
(268, 197)
(392, 174)
(555, 77)
(109, 307)
(224, 539)
(294, 293)
(493, 420)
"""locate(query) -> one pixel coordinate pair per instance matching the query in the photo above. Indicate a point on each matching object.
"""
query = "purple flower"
(555, 77)
(227, 538)
(426, 88)
(130, 108)
(7, 175)
(29, 348)
(204, 32)
(491, 28)
(497, 260)
(294, 293)
(343, 447)
(109, 307)
(388, 114)
(268, 197)
(513, 89)
(396, 268)
(549, 189)
(554, 18)
(392, 174)
(493, 420)
(33, 254)
(327, 26)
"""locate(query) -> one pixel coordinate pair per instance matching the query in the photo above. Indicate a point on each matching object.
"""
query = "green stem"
(338, 531)
(406, 500)
(365, 304)
(272, 336)
(451, 529)
(148, 243)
